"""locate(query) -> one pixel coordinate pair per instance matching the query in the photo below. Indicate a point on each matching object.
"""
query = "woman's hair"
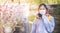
(43, 5)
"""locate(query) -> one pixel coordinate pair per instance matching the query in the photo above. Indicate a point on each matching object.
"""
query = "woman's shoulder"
(36, 19)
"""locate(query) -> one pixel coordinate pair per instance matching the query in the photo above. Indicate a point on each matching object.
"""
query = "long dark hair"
(44, 6)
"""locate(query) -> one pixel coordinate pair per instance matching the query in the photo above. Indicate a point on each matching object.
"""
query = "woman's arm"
(34, 27)
(49, 24)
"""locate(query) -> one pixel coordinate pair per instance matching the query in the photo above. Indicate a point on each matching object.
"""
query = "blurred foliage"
(37, 1)
(31, 17)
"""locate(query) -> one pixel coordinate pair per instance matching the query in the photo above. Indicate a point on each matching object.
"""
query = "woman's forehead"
(42, 6)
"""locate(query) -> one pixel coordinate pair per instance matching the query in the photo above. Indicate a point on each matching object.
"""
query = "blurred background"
(15, 13)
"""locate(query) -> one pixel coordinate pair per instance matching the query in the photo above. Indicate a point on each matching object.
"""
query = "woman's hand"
(47, 14)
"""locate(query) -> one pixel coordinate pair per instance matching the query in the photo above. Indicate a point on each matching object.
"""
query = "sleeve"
(49, 24)
(33, 27)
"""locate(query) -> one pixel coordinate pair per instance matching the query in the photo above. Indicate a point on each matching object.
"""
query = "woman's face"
(42, 10)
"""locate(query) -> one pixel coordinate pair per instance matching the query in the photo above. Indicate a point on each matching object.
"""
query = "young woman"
(44, 22)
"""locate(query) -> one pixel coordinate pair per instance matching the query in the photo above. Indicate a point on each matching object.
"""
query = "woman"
(44, 22)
